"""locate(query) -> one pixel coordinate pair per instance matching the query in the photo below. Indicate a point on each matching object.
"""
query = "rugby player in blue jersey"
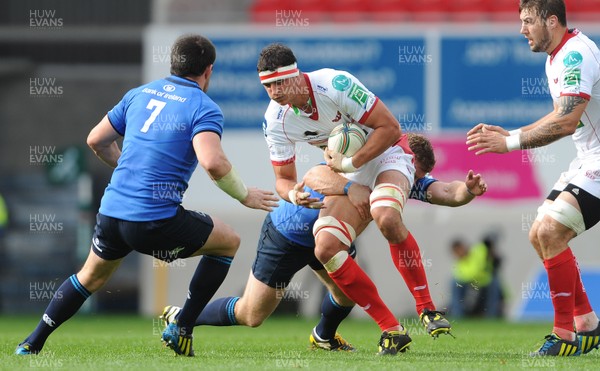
(286, 245)
(169, 126)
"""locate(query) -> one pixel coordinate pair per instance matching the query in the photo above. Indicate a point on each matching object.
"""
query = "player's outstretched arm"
(211, 157)
(329, 183)
(561, 122)
(102, 140)
(457, 193)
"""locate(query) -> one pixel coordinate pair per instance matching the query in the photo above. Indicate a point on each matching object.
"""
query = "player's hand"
(475, 183)
(358, 195)
(298, 197)
(260, 199)
(485, 138)
(334, 160)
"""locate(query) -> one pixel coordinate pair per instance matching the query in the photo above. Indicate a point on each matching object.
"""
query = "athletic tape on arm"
(233, 185)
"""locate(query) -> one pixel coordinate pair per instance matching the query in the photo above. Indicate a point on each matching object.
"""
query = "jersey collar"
(569, 34)
(182, 81)
(315, 113)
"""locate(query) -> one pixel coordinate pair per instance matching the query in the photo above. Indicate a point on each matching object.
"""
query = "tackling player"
(286, 245)
(305, 107)
(141, 207)
(572, 207)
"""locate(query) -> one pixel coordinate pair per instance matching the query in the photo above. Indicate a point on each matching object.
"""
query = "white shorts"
(586, 176)
(394, 158)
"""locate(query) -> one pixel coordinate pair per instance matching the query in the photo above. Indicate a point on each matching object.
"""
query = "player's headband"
(281, 73)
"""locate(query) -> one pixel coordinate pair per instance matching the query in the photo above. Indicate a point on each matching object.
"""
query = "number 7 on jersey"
(156, 106)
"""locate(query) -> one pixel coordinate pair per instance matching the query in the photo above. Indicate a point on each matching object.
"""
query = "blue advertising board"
(495, 80)
(393, 69)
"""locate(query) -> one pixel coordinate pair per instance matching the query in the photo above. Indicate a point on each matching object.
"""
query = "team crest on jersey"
(169, 88)
(573, 59)
(341, 83)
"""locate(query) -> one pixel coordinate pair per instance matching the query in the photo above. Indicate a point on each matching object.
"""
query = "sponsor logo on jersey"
(572, 77)
(169, 88)
(321, 88)
(359, 95)
(280, 113)
(573, 59)
(310, 133)
(341, 83)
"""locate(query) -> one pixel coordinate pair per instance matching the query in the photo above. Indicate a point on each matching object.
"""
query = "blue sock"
(66, 301)
(219, 312)
(332, 314)
(207, 279)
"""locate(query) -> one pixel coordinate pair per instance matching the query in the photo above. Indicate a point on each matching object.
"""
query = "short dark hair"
(545, 9)
(191, 55)
(274, 56)
(423, 150)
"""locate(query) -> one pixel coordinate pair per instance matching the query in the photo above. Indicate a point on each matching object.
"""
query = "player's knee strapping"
(564, 213)
(388, 195)
(342, 231)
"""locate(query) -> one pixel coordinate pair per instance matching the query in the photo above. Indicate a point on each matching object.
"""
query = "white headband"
(281, 73)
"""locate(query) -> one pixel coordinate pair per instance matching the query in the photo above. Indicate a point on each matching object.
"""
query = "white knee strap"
(388, 195)
(567, 215)
(340, 229)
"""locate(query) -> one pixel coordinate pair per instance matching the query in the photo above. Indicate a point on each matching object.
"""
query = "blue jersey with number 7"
(158, 121)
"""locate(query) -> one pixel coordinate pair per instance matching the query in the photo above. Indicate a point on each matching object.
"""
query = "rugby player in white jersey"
(305, 107)
(573, 205)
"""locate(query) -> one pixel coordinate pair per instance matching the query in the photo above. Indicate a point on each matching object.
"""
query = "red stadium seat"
(468, 10)
(290, 11)
(583, 11)
(505, 11)
(343, 11)
(388, 10)
(428, 10)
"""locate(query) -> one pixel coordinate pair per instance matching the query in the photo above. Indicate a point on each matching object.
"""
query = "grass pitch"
(132, 343)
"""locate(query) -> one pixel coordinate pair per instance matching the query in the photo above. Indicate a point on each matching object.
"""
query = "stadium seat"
(388, 10)
(349, 11)
(583, 11)
(468, 10)
(290, 12)
(428, 10)
(263, 11)
(504, 11)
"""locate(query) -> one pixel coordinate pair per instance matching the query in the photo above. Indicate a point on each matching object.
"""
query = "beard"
(544, 42)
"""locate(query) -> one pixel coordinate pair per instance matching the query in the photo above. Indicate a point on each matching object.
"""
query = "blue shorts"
(278, 259)
(167, 239)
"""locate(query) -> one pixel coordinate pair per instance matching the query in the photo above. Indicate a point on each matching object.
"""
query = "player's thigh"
(222, 241)
(257, 303)
(341, 208)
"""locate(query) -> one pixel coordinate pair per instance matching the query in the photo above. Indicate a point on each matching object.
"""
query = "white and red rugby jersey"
(336, 96)
(573, 69)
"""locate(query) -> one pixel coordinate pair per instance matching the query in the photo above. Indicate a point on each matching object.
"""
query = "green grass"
(113, 343)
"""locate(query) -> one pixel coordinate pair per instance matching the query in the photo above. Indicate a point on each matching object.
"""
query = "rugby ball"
(346, 139)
